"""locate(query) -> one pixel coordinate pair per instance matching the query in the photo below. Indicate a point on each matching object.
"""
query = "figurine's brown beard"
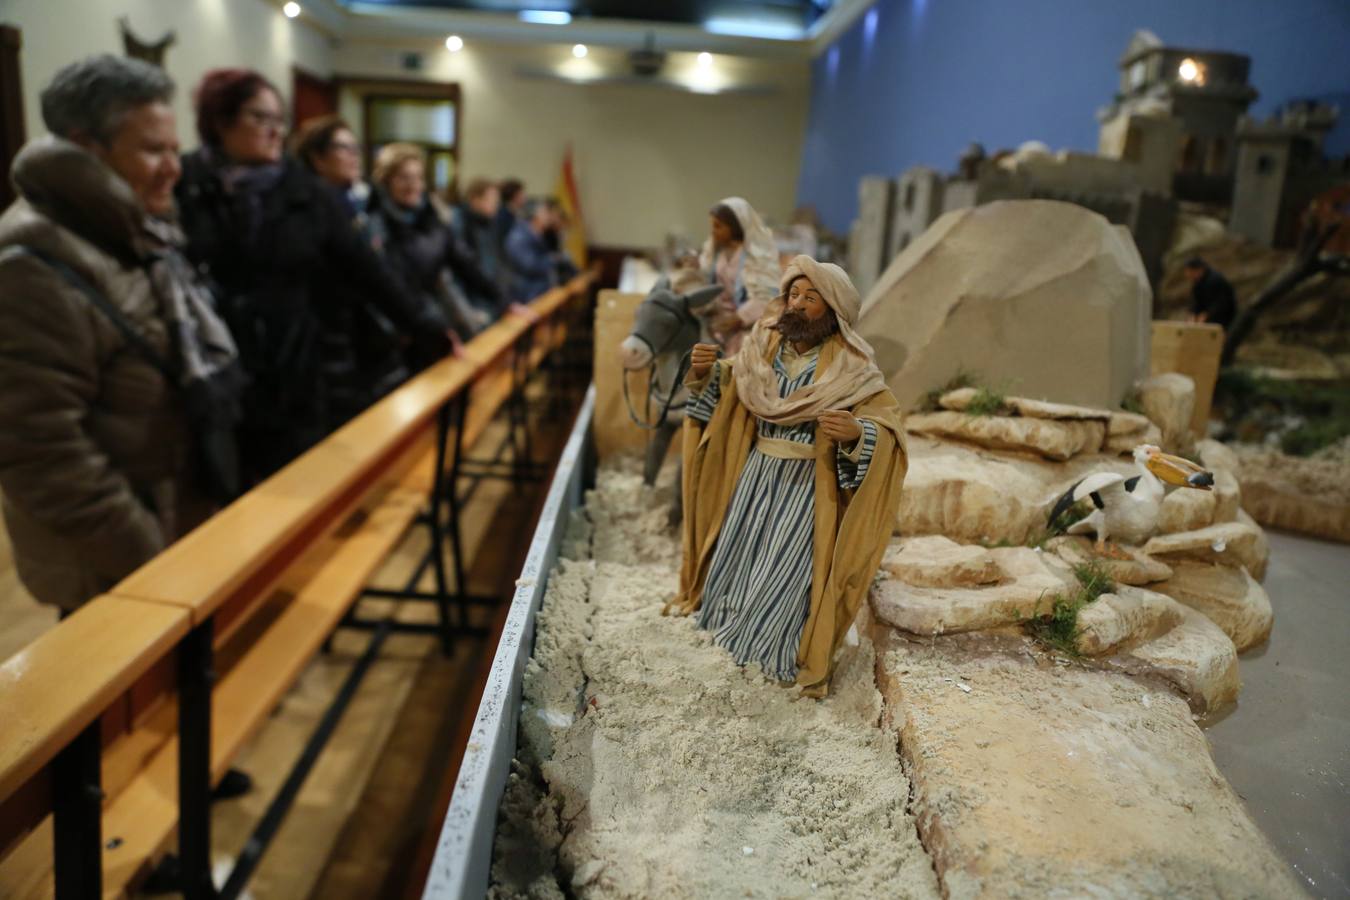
(796, 327)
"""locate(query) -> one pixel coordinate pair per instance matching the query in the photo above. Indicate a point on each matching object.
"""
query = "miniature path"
(651, 766)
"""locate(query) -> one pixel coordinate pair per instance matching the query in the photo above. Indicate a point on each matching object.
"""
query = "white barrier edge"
(463, 859)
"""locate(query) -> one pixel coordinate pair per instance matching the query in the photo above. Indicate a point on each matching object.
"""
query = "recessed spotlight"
(545, 16)
(454, 43)
(579, 51)
(291, 10)
(705, 60)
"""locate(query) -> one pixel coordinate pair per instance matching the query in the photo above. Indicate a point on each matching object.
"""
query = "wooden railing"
(115, 724)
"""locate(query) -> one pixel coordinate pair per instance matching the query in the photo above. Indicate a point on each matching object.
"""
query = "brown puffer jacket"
(94, 451)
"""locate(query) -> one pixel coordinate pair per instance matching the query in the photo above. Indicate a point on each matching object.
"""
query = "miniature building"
(1204, 90)
(918, 201)
(1280, 170)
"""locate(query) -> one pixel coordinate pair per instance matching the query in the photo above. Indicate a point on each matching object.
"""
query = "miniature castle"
(1177, 130)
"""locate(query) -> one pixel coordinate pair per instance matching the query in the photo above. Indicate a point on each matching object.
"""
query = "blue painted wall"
(915, 81)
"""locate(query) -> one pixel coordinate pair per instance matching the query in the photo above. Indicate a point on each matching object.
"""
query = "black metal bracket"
(77, 810)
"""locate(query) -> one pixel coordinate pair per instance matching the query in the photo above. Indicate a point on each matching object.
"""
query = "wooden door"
(311, 96)
(11, 108)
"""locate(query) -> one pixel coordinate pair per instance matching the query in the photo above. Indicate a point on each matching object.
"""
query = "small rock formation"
(1169, 402)
(917, 599)
(1229, 597)
(1139, 570)
(976, 290)
(1053, 439)
(1125, 616)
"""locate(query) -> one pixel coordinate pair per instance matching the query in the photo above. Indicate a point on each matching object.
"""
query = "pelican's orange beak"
(1180, 472)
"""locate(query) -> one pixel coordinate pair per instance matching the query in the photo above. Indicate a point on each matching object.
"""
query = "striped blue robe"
(758, 591)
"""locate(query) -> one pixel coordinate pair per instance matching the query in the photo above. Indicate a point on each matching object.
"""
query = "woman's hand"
(524, 312)
(701, 359)
(840, 426)
(456, 344)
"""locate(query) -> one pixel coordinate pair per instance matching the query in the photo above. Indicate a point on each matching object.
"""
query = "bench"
(118, 721)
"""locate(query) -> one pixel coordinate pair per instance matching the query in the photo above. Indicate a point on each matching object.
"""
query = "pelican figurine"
(1127, 508)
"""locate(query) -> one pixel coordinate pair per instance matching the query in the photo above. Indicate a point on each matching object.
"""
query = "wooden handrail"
(63, 682)
(239, 549)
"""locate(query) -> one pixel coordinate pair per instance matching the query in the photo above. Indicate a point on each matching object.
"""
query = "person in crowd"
(475, 221)
(739, 254)
(555, 238)
(418, 244)
(1212, 298)
(534, 268)
(272, 239)
(512, 194)
(362, 356)
(102, 325)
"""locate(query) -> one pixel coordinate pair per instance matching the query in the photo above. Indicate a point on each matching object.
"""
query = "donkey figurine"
(665, 328)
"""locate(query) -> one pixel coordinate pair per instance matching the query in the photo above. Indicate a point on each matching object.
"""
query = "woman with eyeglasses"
(363, 356)
(272, 239)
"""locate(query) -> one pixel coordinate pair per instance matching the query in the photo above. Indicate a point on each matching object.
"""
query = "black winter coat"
(272, 268)
(427, 257)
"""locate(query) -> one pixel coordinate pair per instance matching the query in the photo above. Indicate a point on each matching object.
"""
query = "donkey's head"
(665, 322)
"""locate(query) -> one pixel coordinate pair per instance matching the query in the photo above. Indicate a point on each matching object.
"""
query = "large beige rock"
(1044, 295)
(937, 561)
(1031, 582)
(1216, 456)
(1051, 438)
(1124, 617)
(1196, 657)
(1228, 543)
(1139, 569)
(974, 495)
(1038, 780)
(1169, 402)
(1229, 597)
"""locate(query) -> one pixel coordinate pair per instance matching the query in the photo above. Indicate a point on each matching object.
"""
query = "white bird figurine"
(1128, 508)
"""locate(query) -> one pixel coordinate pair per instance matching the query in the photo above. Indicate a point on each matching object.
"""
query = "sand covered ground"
(651, 766)
(959, 766)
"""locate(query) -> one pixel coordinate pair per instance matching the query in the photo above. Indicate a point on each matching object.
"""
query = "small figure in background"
(1212, 299)
(740, 254)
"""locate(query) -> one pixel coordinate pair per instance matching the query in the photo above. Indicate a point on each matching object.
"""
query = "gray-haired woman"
(104, 332)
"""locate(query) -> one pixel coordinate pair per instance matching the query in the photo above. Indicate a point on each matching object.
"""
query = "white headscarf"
(851, 377)
(759, 273)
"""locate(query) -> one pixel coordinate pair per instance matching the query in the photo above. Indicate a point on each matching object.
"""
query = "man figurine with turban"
(794, 456)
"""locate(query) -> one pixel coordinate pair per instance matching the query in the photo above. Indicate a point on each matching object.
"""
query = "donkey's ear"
(701, 297)
(662, 284)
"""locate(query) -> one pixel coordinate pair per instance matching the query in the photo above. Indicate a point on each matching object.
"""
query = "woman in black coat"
(419, 246)
(269, 236)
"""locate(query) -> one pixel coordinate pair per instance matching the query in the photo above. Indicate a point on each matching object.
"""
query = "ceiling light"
(754, 28)
(545, 16)
(579, 51)
(291, 10)
(454, 43)
(705, 60)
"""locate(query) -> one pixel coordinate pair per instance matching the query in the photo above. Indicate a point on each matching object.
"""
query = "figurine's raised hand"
(840, 426)
(701, 359)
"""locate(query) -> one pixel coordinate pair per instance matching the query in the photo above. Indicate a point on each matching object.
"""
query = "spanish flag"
(570, 202)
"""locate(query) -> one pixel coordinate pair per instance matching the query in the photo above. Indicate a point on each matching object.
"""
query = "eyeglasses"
(265, 119)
